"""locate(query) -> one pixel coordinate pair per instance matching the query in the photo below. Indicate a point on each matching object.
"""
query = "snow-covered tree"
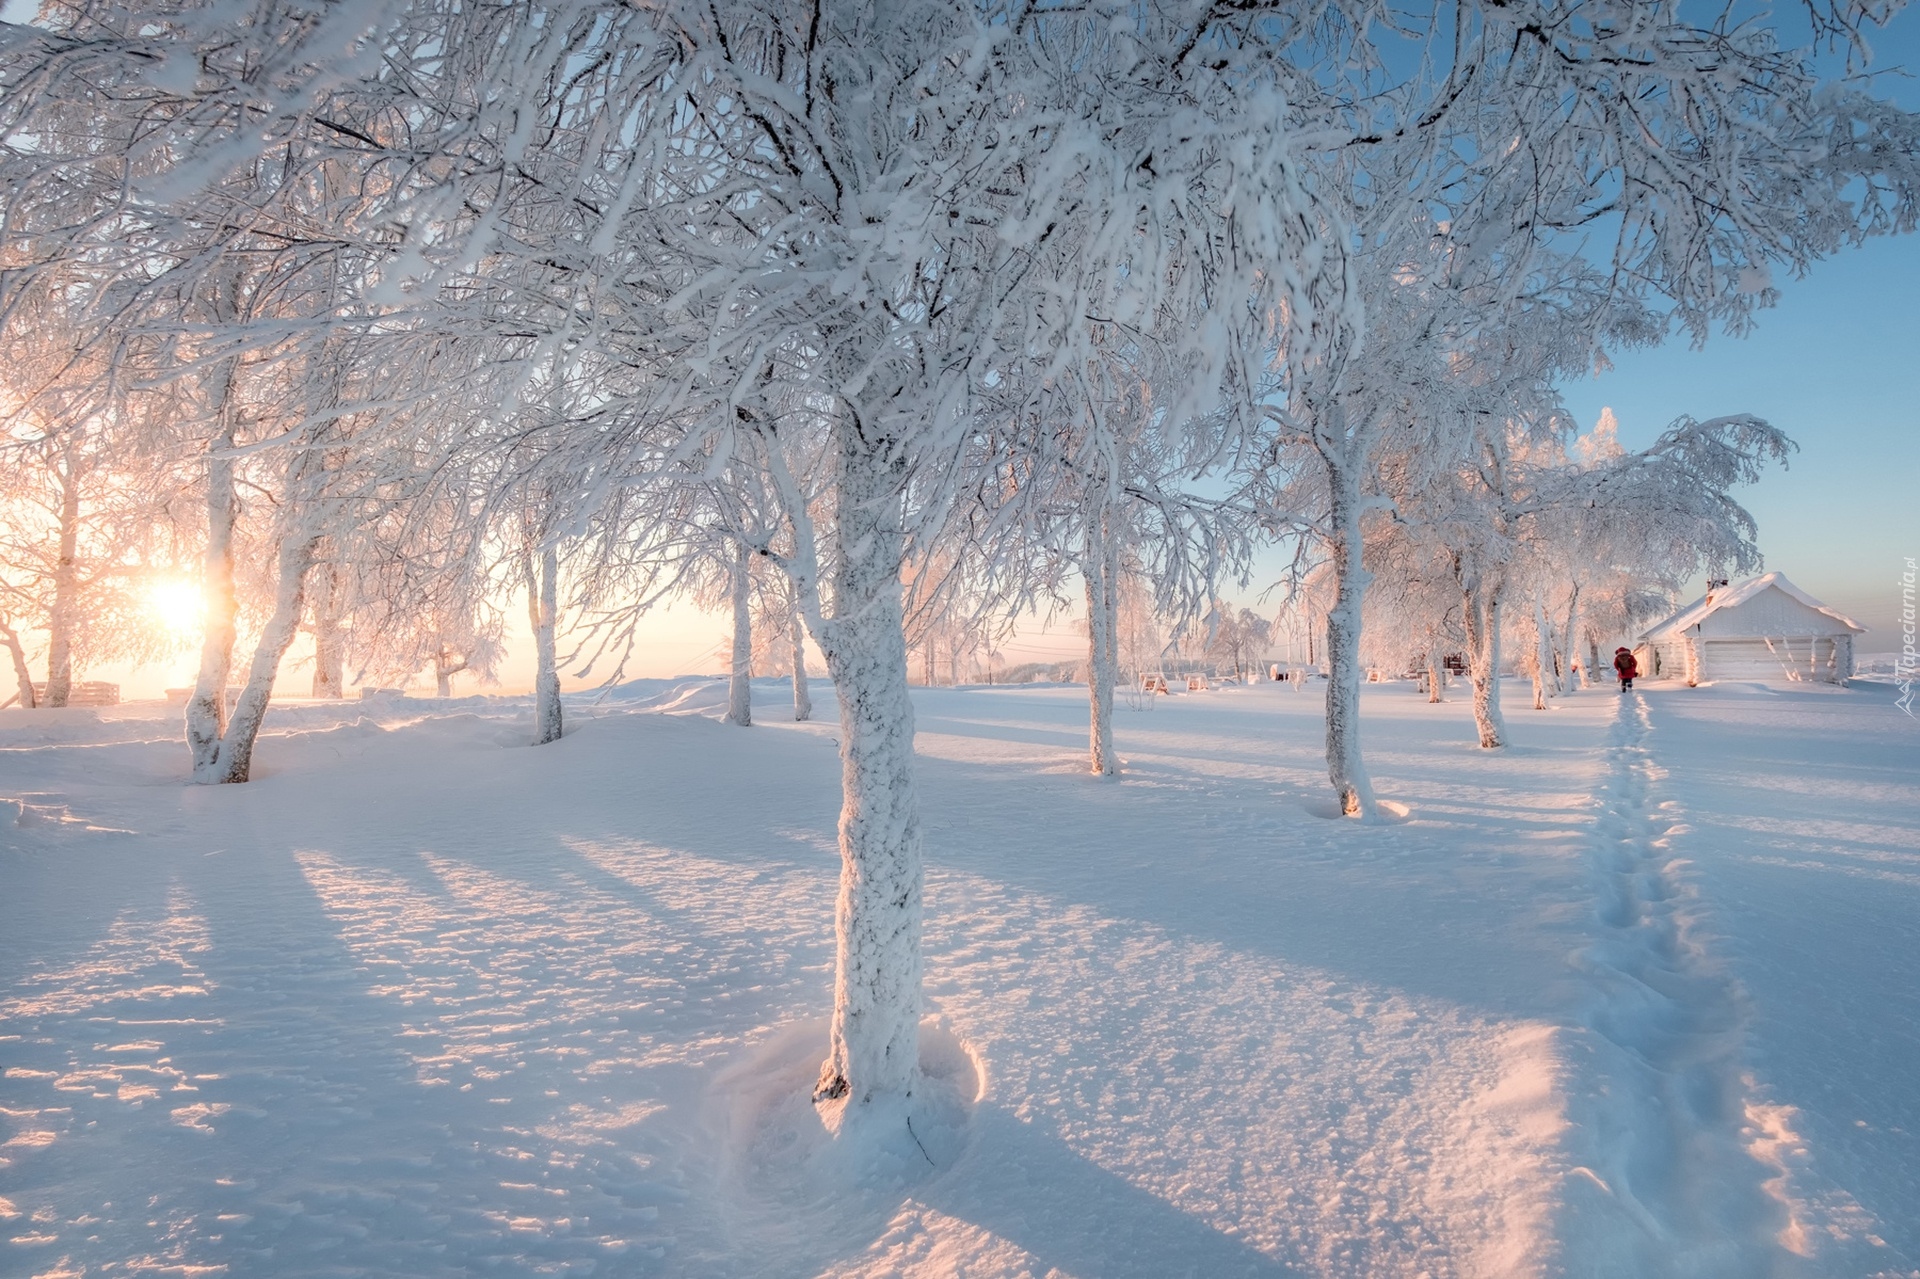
(850, 291)
(1524, 514)
(878, 162)
(85, 484)
(1235, 637)
(1457, 187)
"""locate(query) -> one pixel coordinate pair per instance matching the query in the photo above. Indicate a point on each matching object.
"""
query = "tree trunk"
(874, 1046)
(232, 757)
(740, 680)
(1345, 768)
(543, 607)
(207, 707)
(21, 674)
(1569, 646)
(1550, 653)
(802, 697)
(1436, 676)
(444, 669)
(66, 590)
(1542, 655)
(329, 644)
(1102, 572)
(1483, 655)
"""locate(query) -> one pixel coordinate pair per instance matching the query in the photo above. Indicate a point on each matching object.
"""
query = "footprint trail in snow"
(1677, 1164)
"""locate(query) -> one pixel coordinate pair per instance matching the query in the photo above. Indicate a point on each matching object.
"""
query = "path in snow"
(1802, 831)
(1678, 1181)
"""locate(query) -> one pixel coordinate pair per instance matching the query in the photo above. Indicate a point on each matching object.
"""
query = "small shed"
(1764, 628)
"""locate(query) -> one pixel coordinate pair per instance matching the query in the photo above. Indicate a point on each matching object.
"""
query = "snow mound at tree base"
(786, 1155)
(1386, 812)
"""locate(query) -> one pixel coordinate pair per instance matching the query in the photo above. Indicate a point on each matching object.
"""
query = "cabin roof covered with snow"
(1732, 597)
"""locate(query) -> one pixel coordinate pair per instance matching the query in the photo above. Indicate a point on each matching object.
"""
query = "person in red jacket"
(1627, 668)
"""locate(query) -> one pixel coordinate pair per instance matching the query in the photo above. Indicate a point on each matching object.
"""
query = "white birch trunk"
(231, 760)
(1102, 572)
(740, 681)
(802, 697)
(1569, 646)
(206, 713)
(66, 590)
(329, 643)
(1436, 676)
(874, 1045)
(21, 674)
(444, 669)
(1550, 655)
(1542, 655)
(207, 707)
(1483, 652)
(543, 600)
(1345, 768)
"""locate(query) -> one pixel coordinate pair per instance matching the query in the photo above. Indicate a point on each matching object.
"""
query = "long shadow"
(272, 1081)
(1072, 1216)
(62, 892)
(1458, 917)
(301, 1120)
(343, 1159)
(1426, 911)
(1073, 746)
(948, 726)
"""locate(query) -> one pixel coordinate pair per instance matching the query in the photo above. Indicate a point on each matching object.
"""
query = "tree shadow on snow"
(1245, 865)
(1027, 1186)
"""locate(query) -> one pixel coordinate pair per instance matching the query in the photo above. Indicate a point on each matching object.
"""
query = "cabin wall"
(1777, 659)
(1771, 612)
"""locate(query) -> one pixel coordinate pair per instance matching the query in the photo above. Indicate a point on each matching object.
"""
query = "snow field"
(1802, 838)
(419, 1001)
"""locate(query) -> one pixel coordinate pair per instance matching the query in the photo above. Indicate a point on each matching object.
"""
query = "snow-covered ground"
(1637, 996)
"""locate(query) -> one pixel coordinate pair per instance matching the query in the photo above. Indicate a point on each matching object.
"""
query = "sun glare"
(177, 604)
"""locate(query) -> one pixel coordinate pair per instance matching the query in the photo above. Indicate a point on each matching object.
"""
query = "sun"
(178, 605)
